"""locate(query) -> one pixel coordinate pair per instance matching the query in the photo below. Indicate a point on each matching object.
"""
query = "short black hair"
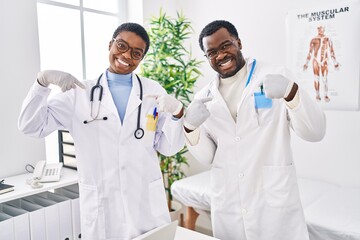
(135, 28)
(213, 27)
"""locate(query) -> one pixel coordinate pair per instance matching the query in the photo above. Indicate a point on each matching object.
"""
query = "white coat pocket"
(157, 199)
(89, 203)
(265, 116)
(264, 108)
(279, 184)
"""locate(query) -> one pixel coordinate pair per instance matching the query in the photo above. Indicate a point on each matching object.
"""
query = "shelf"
(66, 149)
(22, 189)
(69, 155)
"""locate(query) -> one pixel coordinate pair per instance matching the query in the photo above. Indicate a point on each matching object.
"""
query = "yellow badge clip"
(152, 120)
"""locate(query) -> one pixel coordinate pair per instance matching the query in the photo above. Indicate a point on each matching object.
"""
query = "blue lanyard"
(251, 72)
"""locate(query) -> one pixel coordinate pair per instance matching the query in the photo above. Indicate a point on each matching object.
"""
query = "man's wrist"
(188, 130)
(292, 93)
(189, 127)
(180, 114)
(40, 83)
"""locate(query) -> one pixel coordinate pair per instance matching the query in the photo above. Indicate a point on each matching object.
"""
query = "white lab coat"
(120, 182)
(254, 187)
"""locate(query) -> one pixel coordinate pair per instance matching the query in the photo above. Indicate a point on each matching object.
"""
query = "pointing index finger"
(205, 100)
(77, 82)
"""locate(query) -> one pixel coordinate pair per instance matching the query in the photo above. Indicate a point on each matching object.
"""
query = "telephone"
(47, 172)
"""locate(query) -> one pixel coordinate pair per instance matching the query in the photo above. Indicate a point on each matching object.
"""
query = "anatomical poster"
(323, 50)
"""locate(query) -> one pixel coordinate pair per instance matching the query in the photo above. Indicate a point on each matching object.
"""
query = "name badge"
(261, 101)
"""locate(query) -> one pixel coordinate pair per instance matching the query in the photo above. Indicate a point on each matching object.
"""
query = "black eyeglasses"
(123, 46)
(223, 48)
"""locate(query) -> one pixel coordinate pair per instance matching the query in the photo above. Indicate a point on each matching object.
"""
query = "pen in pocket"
(155, 113)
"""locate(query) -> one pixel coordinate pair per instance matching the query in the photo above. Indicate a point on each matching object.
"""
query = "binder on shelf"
(52, 218)
(73, 188)
(64, 207)
(75, 210)
(36, 217)
(6, 226)
(20, 219)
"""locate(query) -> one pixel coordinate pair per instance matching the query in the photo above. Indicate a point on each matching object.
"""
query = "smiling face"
(122, 62)
(229, 60)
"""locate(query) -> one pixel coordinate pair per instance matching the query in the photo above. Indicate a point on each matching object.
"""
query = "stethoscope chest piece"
(139, 133)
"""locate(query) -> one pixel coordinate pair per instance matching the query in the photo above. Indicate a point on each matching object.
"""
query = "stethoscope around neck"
(139, 132)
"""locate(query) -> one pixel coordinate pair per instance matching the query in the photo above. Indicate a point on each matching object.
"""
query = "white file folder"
(73, 188)
(75, 210)
(36, 217)
(6, 226)
(20, 220)
(51, 210)
(64, 207)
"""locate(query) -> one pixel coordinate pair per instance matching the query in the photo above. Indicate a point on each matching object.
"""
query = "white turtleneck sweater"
(232, 88)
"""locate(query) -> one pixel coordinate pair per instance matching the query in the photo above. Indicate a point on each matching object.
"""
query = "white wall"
(19, 64)
(261, 27)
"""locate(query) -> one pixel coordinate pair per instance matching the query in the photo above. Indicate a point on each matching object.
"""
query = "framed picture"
(323, 50)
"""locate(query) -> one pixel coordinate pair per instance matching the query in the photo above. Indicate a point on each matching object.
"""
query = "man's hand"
(62, 79)
(277, 86)
(196, 114)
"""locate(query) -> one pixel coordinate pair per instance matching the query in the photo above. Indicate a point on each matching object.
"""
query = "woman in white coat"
(240, 124)
(120, 182)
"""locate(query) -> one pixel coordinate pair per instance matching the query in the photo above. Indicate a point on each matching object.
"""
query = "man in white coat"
(117, 136)
(240, 124)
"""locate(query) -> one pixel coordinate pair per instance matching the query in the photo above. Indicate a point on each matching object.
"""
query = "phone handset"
(39, 169)
(34, 182)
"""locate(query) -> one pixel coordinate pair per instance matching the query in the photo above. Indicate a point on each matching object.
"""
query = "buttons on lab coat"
(237, 139)
(241, 175)
(243, 211)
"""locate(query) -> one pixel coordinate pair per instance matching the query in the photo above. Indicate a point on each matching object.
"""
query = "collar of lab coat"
(214, 85)
(248, 88)
(134, 98)
(213, 90)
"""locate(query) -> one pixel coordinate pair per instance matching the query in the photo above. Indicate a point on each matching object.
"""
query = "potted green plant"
(169, 62)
